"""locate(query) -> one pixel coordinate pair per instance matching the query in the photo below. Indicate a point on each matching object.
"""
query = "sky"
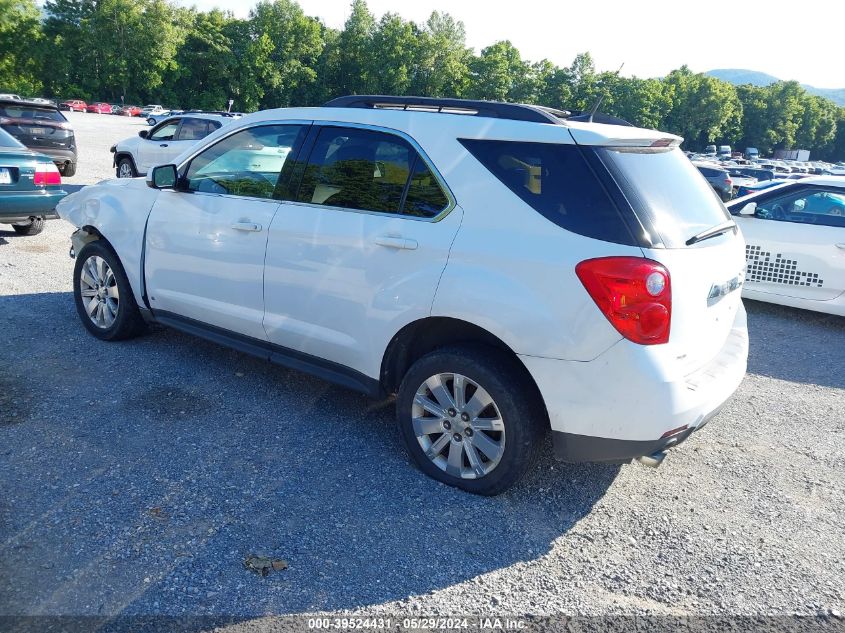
(803, 40)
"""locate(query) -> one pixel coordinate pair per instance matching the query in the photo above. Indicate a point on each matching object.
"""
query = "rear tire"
(35, 226)
(482, 440)
(102, 294)
(69, 170)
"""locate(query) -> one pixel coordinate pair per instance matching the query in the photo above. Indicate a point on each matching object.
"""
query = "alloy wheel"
(124, 170)
(99, 292)
(458, 426)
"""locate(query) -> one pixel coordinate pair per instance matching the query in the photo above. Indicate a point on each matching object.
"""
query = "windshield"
(7, 140)
(667, 191)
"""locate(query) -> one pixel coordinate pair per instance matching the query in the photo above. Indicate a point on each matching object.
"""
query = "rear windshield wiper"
(713, 231)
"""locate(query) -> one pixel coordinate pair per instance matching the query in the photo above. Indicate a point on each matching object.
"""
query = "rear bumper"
(59, 156)
(622, 404)
(570, 447)
(17, 207)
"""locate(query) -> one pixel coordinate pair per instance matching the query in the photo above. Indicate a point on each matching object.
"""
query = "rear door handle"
(247, 226)
(841, 245)
(396, 242)
(163, 145)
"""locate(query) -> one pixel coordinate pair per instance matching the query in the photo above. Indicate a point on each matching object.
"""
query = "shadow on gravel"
(795, 345)
(148, 470)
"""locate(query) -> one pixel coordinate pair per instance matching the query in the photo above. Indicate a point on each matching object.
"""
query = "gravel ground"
(136, 477)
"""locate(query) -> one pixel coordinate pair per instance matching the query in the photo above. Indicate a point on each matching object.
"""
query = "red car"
(74, 105)
(130, 110)
(99, 108)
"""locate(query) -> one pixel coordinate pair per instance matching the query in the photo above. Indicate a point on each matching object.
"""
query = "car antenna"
(596, 105)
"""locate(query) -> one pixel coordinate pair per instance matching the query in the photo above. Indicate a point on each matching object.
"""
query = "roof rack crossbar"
(492, 109)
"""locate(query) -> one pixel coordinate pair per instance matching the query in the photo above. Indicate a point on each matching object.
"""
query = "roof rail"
(493, 109)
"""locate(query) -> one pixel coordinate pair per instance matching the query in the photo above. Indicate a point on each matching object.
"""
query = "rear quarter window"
(555, 180)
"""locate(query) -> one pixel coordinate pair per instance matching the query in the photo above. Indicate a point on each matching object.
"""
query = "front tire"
(104, 299)
(34, 227)
(125, 168)
(471, 418)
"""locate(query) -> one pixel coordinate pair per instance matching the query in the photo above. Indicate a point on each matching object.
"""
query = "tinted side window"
(556, 181)
(425, 198)
(193, 129)
(247, 163)
(357, 169)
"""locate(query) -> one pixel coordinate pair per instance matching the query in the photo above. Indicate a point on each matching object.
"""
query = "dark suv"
(718, 178)
(41, 127)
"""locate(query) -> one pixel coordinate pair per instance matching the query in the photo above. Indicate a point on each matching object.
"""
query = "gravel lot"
(136, 477)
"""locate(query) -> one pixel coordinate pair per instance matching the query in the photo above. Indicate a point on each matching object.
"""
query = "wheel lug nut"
(447, 425)
(468, 432)
(457, 437)
(465, 417)
(452, 413)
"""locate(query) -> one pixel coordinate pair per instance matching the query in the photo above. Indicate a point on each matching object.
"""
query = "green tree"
(498, 74)
(20, 37)
(287, 44)
(393, 62)
(205, 64)
(704, 109)
(356, 46)
(442, 58)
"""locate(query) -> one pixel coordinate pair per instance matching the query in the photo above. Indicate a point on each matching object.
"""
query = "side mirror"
(162, 177)
(144, 133)
(749, 209)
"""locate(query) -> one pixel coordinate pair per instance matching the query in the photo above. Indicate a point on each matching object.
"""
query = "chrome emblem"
(720, 290)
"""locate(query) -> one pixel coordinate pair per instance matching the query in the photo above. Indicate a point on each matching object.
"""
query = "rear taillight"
(635, 295)
(46, 174)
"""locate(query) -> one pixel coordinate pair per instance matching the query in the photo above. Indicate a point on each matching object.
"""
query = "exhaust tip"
(652, 461)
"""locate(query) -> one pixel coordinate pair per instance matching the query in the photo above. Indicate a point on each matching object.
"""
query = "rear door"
(796, 243)
(358, 251)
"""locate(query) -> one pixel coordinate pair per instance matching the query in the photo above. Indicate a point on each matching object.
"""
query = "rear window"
(7, 140)
(666, 191)
(556, 181)
(30, 112)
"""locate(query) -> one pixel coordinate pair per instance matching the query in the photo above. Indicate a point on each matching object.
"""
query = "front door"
(206, 241)
(153, 150)
(359, 252)
(796, 243)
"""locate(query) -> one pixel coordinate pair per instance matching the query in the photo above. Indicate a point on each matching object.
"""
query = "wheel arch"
(423, 336)
(118, 156)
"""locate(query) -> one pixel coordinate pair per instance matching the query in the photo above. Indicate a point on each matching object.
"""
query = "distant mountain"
(740, 76)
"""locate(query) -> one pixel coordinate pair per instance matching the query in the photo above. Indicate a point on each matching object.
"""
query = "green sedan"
(30, 187)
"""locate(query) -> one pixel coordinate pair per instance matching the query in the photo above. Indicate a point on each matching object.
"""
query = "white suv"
(503, 269)
(136, 155)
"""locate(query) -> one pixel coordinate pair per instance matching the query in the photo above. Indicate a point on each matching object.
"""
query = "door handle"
(397, 242)
(841, 245)
(246, 226)
(163, 145)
